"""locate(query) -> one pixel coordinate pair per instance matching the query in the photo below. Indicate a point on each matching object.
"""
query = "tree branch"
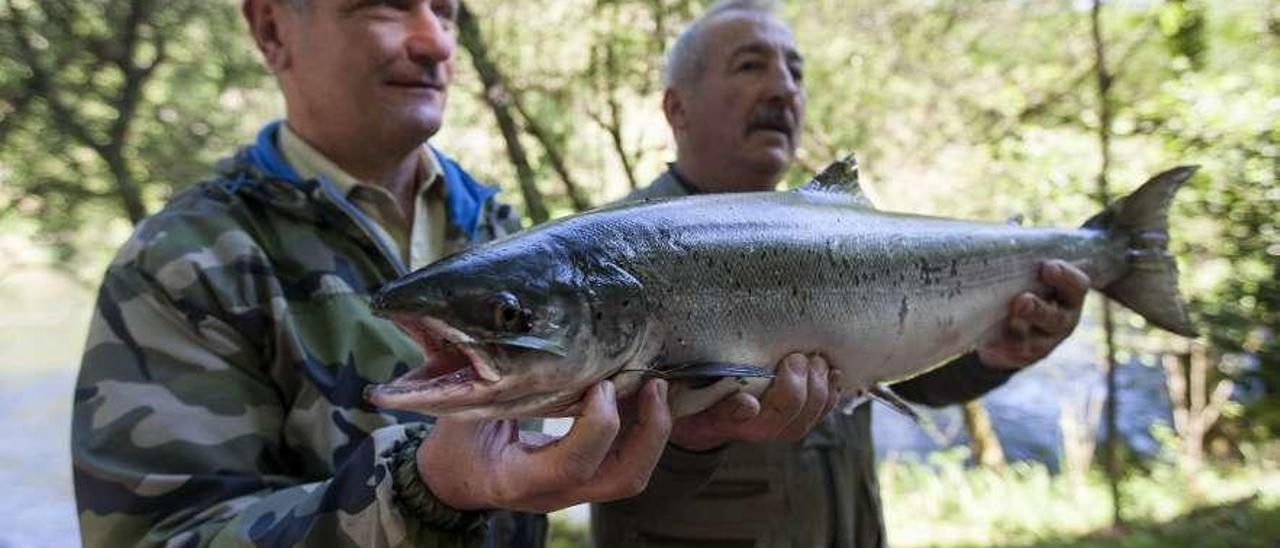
(42, 82)
(1083, 75)
(534, 127)
(495, 95)
(18, 106)
(614, 124)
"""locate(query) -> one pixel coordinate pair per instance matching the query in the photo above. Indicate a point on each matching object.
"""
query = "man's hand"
(1036, 325)
(473, 465)
(803, 393)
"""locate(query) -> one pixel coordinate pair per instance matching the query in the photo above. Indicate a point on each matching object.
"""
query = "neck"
(389, 165)
(709, 177)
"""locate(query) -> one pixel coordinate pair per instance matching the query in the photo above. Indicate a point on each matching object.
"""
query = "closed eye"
(399, 5)
(750, 65)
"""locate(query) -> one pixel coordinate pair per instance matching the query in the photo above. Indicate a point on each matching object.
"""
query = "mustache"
(429, 74)
(772, 117)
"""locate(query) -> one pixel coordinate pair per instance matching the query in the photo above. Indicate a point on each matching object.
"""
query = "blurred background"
(980, 109)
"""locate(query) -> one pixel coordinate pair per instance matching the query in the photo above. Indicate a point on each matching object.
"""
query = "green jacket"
(220, 399)
(819, 492)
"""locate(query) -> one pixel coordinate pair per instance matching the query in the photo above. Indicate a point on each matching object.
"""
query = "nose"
(784, 86)
(430, 37)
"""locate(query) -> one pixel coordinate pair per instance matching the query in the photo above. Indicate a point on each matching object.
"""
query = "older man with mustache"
(735, 102)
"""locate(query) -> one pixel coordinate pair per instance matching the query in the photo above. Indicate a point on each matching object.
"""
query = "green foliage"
(971, 109)
(1249, 523)
(955, 107)
(942, 503)
(111, 106)
(1231, 125)
(567, 533)
(1183, 24)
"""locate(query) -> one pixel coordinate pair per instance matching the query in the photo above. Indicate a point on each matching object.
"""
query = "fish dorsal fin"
(841, 177)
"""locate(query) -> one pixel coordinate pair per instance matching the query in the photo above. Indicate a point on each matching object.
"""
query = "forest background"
(979, 109)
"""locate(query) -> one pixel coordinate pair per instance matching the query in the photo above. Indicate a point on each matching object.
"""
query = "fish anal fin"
(883, 395)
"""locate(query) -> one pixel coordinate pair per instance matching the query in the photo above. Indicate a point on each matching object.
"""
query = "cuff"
(980, 371)
(416, 500)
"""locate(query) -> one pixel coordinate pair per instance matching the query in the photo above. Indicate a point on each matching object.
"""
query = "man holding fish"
(735, 102)
(220, 398)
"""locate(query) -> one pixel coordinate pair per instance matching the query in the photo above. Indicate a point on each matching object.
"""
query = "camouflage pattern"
(819, 492)
(220, 399)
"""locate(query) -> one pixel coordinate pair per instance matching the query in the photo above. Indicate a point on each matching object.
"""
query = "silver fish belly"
(737, 282)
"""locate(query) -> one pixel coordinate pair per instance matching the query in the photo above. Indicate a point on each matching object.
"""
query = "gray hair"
(687, 58)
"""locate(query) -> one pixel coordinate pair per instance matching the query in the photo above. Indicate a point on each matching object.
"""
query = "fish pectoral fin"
(883, 395)
(704, 374)
(525, 342)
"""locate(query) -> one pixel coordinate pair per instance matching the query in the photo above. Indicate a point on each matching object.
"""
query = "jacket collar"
(464, 196)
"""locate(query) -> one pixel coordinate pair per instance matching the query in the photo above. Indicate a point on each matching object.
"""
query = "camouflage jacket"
(220, 400)
(819, 492)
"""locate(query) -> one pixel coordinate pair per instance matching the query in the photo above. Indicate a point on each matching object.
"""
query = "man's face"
(377, 69)
(747, 106)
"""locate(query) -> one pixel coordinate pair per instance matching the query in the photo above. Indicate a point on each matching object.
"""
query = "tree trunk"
(615, 134)
(496, 96)
(612, 122)
(982, 436)
(576, 197)
(130, 196)
(111, 149)
(1195, 408)
(1079, 444)
(17, 106)
(1112, 443)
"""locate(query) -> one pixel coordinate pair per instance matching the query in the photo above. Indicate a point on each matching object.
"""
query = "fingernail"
(607, 389)
(661, 388)
(1026, 305)
(796, 363)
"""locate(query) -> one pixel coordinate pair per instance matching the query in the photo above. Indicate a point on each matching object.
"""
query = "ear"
(674, 109)
(263, 17)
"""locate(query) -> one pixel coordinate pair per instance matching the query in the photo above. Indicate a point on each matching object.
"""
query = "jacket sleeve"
(178, 429)
(962, 379)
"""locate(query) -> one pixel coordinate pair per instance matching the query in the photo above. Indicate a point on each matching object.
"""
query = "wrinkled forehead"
(340, 4)
(735, 32)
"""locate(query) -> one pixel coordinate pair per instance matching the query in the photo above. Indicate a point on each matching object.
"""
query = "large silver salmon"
(721, 287)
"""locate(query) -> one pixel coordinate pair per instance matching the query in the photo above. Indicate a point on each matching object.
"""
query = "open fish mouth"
(452, 361)
(460, 378)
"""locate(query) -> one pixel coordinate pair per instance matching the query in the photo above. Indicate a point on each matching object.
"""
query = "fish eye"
(508, 314)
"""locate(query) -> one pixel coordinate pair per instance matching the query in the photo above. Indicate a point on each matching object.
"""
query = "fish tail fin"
(1150, 287)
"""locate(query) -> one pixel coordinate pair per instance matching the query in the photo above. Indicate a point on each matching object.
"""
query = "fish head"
(518, 329)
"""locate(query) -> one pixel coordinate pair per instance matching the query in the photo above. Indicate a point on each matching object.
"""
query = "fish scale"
(849, 291)
(717, 289)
